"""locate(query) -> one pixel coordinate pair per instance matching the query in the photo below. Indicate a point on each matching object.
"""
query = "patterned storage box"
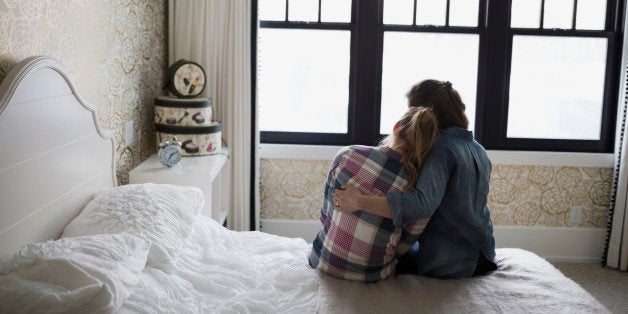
(183, 112)
(190, 122)
(195, 141)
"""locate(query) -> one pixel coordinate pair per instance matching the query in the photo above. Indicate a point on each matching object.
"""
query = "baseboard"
(305, 229)
(558, 244)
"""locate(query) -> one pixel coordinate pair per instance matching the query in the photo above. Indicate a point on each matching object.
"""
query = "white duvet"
(145, 249)
(222, 271)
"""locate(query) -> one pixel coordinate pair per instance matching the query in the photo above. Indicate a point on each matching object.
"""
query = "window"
(534, 74)
(554, 75)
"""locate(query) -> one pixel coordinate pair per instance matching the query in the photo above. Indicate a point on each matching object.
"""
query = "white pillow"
(161, 213)
(92, 274)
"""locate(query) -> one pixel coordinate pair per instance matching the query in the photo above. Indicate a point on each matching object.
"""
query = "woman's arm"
(403, 207)
(349, 200)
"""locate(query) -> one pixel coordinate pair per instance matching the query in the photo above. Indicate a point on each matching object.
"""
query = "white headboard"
(54, 156)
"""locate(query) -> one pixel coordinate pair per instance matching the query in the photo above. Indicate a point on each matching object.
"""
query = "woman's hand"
(348, 199)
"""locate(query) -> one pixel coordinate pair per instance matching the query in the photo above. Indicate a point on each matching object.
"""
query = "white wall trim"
(498, 157)
(529, 158)
(310, 152)
(558, 244)
(305, 229)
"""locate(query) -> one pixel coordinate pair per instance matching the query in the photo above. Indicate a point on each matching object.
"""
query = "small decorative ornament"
(186, 79)
(169, 153)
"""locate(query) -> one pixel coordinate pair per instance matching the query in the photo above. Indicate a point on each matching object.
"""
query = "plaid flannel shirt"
(361, 246)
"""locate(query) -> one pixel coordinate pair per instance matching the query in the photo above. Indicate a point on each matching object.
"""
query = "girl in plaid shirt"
(362, 246)
(451, 191)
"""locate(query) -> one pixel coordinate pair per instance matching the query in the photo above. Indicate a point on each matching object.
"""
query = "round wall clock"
(186, 79)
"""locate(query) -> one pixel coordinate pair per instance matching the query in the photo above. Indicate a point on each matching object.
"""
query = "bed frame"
(54, 156)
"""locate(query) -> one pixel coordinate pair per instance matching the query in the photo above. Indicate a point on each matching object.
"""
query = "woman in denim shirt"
(451, 191)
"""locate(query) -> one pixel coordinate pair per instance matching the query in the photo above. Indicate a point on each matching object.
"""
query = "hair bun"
(447, 84)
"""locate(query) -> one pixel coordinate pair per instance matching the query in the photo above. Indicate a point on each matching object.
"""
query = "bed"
(73, 241)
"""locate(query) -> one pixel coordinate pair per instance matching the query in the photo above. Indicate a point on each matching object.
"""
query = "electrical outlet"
(575, 216)
(129, 133)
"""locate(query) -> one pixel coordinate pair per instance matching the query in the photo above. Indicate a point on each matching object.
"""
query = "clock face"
(188, 80)
(169, 155)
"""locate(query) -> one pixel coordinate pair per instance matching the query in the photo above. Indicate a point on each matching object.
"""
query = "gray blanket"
(523, 283)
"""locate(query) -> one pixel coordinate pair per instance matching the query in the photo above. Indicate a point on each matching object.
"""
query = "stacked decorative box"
(190, 121)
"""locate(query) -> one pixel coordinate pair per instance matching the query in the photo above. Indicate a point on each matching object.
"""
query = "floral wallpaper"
(519, 195)
(114, 50)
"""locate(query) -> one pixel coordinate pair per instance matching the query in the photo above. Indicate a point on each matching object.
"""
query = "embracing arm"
(405, 207)
(350, 199)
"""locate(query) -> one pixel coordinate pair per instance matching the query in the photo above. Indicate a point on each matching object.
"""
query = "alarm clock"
(169, 153)
(186, 79)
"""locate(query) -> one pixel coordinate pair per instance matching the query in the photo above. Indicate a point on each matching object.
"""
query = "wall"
(520, 195)
(114, 50)
(552, 204)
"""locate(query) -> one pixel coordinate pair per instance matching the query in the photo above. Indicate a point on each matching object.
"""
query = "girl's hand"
(347, 200)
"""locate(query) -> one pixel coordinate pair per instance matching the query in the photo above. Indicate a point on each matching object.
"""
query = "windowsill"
(498, 157)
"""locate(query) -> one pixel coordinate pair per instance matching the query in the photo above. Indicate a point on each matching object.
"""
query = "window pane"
(463, 12)
(303, 80)
(413, 57)
(431, 12)
(272, 10)
(303, 10)
(398, 12)
(525, 14)
(591, 14)
(336, 11)
(558, 14)
(556, 87)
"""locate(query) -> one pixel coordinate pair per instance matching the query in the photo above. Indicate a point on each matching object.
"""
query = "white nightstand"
(209, 173)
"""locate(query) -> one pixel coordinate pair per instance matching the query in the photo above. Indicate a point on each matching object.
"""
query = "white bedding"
(211, 269)
(90, 274)
(523, 283)
(163, 214)
(222, 271)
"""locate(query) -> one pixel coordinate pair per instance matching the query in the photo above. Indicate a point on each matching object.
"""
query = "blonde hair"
(415, 133)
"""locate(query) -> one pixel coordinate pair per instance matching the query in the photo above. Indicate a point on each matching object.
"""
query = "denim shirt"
(452, 191)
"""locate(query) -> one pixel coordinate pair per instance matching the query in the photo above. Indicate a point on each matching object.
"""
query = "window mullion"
(495, 51)
(447, 13)
(364, 110)
(319, 11)
(542, 14)
(482, 70)
(287, 6)
(611, 92)
(574, 14)
(414, 13)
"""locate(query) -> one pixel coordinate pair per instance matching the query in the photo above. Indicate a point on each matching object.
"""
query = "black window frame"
(494, 57)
